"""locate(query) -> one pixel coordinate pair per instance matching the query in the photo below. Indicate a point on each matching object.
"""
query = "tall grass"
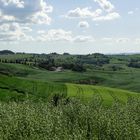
(70, 119)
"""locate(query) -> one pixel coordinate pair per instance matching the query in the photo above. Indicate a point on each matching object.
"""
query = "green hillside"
(108, 76)
(12, 88)
(108, 94)
(127, 80)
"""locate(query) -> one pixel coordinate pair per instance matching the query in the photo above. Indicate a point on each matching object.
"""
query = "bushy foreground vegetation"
(70, 119)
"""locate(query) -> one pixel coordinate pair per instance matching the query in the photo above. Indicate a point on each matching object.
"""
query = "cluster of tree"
(95, 59)
(6, 52)
(66, 61)
(50, 65)
(134, 63)
(115, 67)
(25, 61)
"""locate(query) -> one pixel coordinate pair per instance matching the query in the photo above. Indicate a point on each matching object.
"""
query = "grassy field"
(16, 88)
(21, 81)
(109, 95)
(128, 79)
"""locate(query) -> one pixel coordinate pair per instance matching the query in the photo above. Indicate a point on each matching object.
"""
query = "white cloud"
(17, 3)
(41, 32)
(96, 24)
(9, 27)
(82, 38)
(122, 40)
(83, 24)
(13, 32)
(106, 5)
(109, 16)
(107, 39)
(106, 13)
(137, 41)
(62, 35)
(130, 12)
(18, 16)
(27, 11)
(6, 18)
(55, 35)
(96, 15)
(26, 29)
(40, 18)
(83, 13)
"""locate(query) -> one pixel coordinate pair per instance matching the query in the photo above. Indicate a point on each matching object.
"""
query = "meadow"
(15, 88)
(125, 79)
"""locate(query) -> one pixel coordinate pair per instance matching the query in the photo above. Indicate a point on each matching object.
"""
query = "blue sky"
(74, 26)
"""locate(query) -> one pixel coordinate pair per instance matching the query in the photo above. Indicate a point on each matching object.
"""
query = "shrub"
(72, 120)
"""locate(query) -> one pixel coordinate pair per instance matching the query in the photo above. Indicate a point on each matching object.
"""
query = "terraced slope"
(86, 92)
(12, 88)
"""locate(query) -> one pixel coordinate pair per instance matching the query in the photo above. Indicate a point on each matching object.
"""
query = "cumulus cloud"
(17, 3)
(6, 18)
(106, 5)
(107, 12)
(109, 16)
(96, 15)
(27, 11)
(83, 24)
(55, 35)
(62, 35)
(13, 32)
(18, 16)
(13, 27)
(83, 13)
(40, 18)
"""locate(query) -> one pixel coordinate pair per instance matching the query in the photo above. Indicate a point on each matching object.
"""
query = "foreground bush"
(70, 120)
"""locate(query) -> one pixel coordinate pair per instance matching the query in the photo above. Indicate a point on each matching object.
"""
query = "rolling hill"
(15, 88)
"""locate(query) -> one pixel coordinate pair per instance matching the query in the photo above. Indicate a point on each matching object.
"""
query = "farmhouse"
(59, 69)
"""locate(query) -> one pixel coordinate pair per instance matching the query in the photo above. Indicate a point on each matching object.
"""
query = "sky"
(73, 26)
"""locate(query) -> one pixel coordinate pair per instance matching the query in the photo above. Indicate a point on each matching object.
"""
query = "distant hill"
(6, 52)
